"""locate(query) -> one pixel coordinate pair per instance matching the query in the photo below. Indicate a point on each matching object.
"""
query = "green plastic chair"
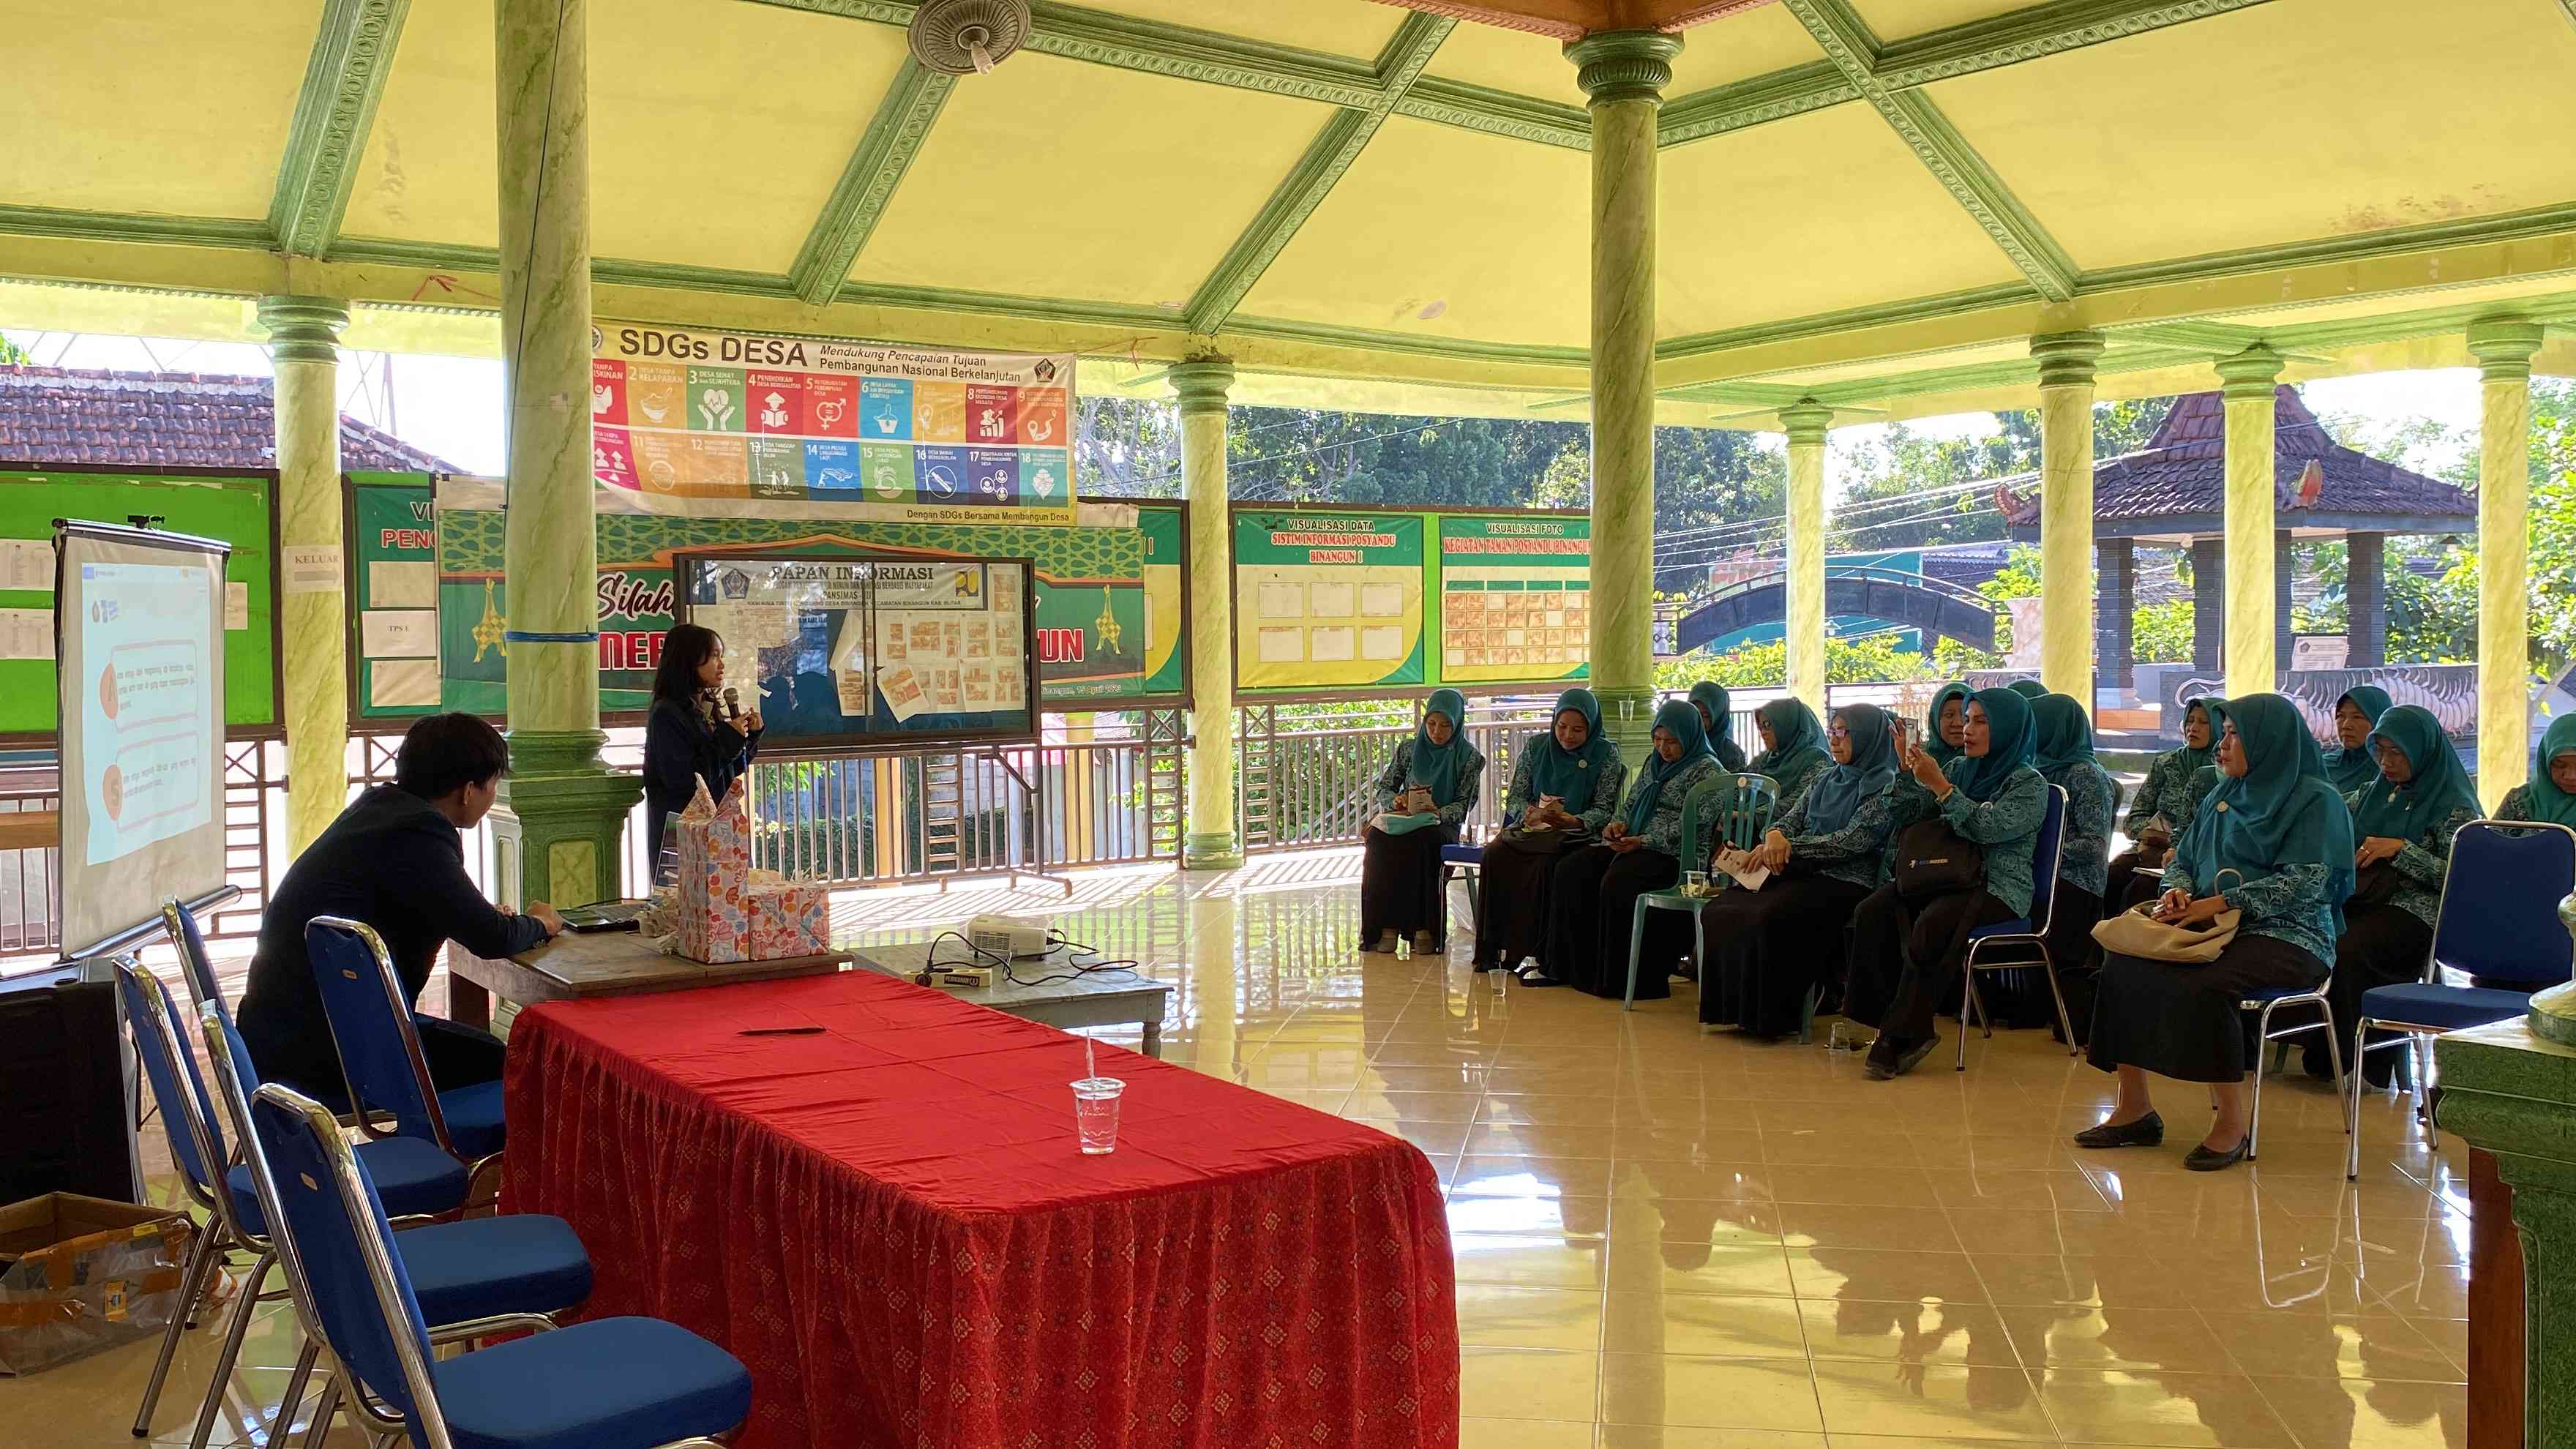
(1740, 807)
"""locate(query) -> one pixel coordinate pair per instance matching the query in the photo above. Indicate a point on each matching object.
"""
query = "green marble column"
(1211, 842)
(2503, 347)
(1804, 627)
(2248, 380)
(2066, 511)
(1624, 72)
(2512, 1091)
(303, 335)
(556, 830)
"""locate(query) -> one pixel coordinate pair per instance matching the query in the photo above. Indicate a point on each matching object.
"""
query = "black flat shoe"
(2147, 1131)
(2201, 1159)
(1534, 978)
(1915, 1054)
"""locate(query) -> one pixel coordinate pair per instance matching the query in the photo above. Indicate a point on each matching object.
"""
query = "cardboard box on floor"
(78, 1274)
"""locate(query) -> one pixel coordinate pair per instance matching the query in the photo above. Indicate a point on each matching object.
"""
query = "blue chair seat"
(2001, 928)
(473, 1119)
(413, 1177)
(617, 1383)
(516, 1263)
(2448, 1007)
(1462, 853)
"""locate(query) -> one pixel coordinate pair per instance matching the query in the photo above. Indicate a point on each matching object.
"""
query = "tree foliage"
(1755, 666)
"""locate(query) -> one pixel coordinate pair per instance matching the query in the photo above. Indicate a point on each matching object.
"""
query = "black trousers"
(1766, 949)
(2380, 946)
(2131, 882)
(1512, 890)
(1905, 962)
(1400, 883)
(2183, 1021)
(1591, 908)
(458, 1056)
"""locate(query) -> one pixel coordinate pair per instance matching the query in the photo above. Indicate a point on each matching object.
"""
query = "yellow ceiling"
(1366, 258)
(1507, 60)
(2259, 162)
(1007, 194)
(1898, 19)
(111, 103)
(2300, 118)
(1826, 211)
(1739, 48)
(1354, 28)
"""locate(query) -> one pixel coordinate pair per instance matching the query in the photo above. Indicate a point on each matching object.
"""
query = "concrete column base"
(1218, 851)
(559, 821)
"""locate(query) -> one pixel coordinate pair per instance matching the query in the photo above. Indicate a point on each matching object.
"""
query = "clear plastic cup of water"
(1844, 1038)
(1095, 1113)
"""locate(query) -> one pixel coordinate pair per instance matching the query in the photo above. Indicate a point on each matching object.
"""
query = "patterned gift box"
(714, 848)
(788, 919)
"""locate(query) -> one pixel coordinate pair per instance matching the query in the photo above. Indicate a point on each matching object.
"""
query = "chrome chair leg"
(323, 1410)
(2065, 1023)
(2352, 1100)
(1636, 949)
(284, 1423)
(2254, 1109)
(202, 1254)
(245, 1308)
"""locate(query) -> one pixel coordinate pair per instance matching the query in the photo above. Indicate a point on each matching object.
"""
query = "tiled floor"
(1667, 1240)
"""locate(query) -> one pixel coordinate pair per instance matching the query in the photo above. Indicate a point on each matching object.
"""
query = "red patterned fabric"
(890, 1223)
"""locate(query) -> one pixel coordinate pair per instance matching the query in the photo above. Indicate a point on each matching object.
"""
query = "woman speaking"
(694, 733)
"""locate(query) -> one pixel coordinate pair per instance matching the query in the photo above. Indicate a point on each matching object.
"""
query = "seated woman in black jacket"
(689, 736)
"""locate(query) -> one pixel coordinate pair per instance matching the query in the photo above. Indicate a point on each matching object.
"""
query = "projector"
(1003, 936)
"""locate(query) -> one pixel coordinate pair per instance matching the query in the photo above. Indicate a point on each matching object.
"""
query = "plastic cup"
(1095, 1113)
(1844, 1038)
(1694, 882)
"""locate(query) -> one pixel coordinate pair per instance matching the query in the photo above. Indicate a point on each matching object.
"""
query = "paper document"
(236, 605)
(1738, 866)
(403, 584)
(27, 563)
(398, 634)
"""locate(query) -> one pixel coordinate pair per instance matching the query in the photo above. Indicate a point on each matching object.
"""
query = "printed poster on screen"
(735, 424)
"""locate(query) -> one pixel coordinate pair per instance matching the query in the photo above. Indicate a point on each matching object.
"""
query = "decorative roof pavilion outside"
(2174, 491)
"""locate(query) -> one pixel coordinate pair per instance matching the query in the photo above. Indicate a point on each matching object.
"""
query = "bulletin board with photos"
(842, 652)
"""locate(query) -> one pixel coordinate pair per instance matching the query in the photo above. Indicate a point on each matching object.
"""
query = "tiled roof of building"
(2183, 470)
(167, 420)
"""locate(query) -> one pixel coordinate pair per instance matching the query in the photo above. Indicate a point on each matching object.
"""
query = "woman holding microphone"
(696, 732)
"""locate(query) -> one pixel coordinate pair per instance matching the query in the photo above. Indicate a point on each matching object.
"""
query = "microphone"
(733, 704)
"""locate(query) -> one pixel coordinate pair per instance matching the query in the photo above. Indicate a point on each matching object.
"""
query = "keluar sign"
(734, 424)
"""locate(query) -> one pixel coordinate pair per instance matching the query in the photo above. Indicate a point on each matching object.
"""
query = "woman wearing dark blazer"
(690, 736)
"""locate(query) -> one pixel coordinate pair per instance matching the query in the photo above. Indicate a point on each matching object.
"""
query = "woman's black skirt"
(1766, 949)
(1512, 894)
(1400, 883)
(2183, 1021)
(1591, 911)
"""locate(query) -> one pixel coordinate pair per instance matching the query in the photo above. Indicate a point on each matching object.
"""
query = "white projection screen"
(138, 638)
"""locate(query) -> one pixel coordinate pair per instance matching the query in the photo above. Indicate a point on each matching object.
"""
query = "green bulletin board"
(393, 550)
(233, 507)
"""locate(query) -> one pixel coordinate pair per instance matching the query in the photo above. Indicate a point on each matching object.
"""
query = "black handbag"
(1934, 860)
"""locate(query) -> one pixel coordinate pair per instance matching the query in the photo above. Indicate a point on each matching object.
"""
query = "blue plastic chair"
(1742, 806)
(2027, 937)
(193, 958)
(420, 1181)
(476, 1277)
(2498, 922)
(611, 1383)
(381, 1061)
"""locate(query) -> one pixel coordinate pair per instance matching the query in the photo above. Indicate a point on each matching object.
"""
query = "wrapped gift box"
(714, 848)
(789, 918)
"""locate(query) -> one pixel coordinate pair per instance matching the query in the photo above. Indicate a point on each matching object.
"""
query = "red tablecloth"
(890, 1223)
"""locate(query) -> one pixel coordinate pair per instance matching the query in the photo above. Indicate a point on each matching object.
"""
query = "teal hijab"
(2027, 688)
(1681, 717)
(2012, 741)
(1941, 750)
(1710, 695)
(1568, 774)
(1797, 740)
(2548, 802)
(2065, 736)
(1435, 767)
(2437, 787)
(1839, 792)
(2281, 812)
(2194, 759)
(2349, 770)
